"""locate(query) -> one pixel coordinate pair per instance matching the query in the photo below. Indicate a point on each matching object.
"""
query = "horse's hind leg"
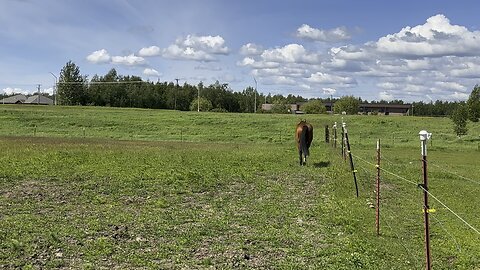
(301, 157)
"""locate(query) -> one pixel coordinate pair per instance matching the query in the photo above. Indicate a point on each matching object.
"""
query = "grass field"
(130, 188)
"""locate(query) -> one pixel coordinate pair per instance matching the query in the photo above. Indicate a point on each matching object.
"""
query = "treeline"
(116, 90)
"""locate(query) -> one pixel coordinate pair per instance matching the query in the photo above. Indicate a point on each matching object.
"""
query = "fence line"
(408, 251)
(451, 211)
(448, 233)
(429, 193)
(456, 174)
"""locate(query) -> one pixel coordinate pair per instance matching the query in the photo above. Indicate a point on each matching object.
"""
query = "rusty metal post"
(424, 136)
(377, 212)
(352, 167)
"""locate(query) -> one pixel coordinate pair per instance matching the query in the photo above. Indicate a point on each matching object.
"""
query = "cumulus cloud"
(99, 57)
(333, 35)
(151, 72)
(129, 60)
(291, 53)
(149, 51)
(251, 49)
(210, 44)
(324, 78)
(329, 91)
(48, 91)
(436, 38)
(11, 91)
(459, 96)
(208, 67)
(178, 53)
(196, 48)
(385, 96)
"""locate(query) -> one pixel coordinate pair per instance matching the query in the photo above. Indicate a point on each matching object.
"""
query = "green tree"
(459, 118)
(205, 104)
(314, 107)
(72, 85)
(280, 106)
(473, 104)
(348, 104)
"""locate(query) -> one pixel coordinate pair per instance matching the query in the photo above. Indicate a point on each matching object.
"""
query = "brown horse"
(303, 137)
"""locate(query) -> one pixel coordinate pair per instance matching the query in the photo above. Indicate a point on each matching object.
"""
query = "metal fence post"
(377, 212)
(424, 136)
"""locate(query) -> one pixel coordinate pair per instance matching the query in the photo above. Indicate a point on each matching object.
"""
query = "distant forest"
(116, 90)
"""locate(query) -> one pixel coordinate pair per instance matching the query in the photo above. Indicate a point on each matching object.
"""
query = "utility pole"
(55, 88)
(198, 99)
(38, 98)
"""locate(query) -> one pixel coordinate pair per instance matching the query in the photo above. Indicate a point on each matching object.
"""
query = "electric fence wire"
(401, 242)
(421, 187)
(442, 225)
(454, 173)
(450, 210)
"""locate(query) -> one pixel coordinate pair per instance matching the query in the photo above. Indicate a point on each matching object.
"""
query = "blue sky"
(410, 50)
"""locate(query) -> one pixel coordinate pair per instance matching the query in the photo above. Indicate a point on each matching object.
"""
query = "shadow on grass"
(321, 164)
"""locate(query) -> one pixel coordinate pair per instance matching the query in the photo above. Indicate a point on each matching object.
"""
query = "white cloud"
(324, 78)
(292, 53)
(210, 44)
(466, 70)
(385, 96)
(48, 91)
(388, 85)
(208, 67)
(329, 91)
(436, 38)
(333, 35)
(130, 60)
(459, 96)
(149, 51)
(11, 91)
(151, 72)
(451, 86)
(279, 80)
(251, 49)
(99, 57)
(178, 53)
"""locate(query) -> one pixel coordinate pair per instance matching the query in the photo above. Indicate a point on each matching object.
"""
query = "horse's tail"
(303, 141)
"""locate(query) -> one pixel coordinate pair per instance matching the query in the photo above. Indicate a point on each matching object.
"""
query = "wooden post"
(335, 135)
(352, 167)
(327, 134)
(377, 212)
(424, 136)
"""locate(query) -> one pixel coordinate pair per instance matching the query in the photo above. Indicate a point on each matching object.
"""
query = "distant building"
(40, 100)
(385, 109)
(364, 108)
(17, 99)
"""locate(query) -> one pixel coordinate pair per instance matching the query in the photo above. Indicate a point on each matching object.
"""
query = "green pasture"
(89, 188)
